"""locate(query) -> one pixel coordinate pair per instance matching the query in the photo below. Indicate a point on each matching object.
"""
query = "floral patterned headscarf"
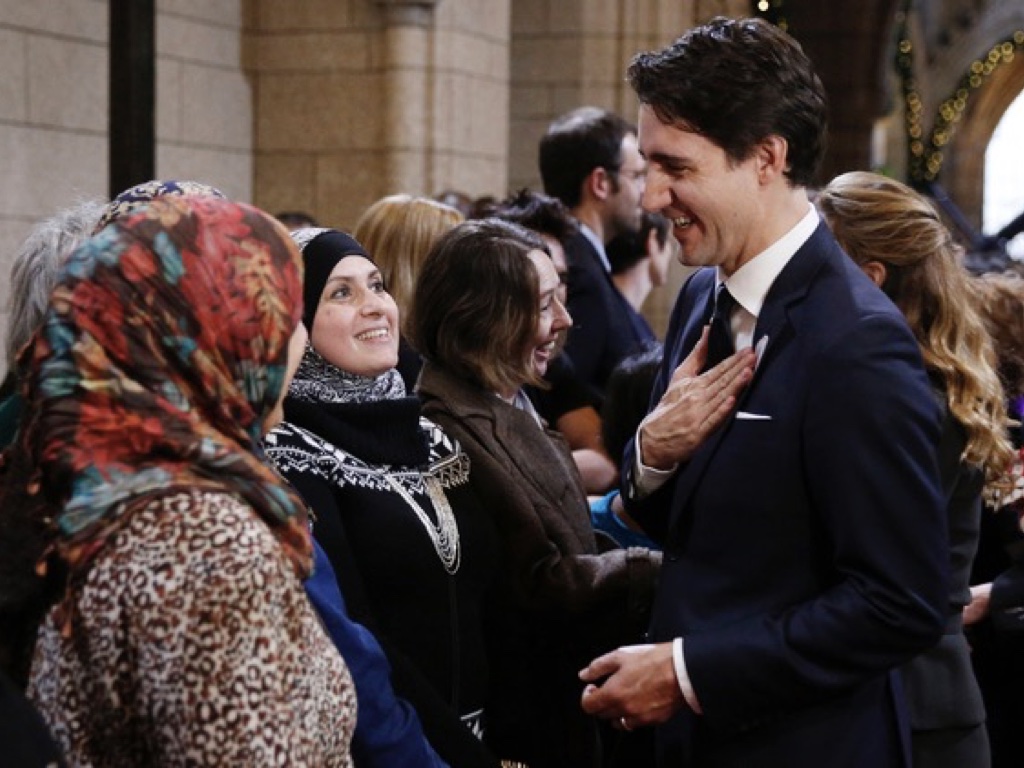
(136, 198)
(163, 351)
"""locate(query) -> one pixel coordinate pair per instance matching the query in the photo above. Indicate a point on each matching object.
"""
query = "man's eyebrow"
(665, 159)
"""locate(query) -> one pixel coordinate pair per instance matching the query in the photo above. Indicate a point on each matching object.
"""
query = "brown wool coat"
(561, 600)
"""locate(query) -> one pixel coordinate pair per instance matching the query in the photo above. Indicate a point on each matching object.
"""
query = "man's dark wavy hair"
(736, 82)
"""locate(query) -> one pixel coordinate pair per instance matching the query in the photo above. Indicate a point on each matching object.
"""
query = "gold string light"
(925, 154)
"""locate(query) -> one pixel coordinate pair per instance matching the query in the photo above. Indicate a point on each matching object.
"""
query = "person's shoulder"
(464, 417)
(192, 512)
(852, 296)
(695, 289)
(288, 437)
(577, 241)
(185, 534)
(447, 395)
(838, 293)
(847, 320)
(582, 256)
(700, 280)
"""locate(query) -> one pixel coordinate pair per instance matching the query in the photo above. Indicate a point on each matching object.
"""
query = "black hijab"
(371, 418)
(322, 249)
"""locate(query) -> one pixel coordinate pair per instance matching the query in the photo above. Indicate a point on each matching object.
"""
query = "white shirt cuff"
(646, 480)
(683, 678)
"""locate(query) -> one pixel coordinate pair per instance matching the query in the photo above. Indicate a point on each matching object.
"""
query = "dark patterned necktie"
(720, 344)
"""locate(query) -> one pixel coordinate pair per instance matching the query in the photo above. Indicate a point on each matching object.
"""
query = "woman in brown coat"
(487, 319)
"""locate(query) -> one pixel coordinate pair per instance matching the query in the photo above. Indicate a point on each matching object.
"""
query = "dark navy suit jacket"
(805, 550)
(603, 332)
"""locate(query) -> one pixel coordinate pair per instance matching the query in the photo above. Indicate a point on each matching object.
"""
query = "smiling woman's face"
(356, 322)
(553, 317)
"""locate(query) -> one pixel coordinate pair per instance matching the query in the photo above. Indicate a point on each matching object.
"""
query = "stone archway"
(964, 168)
(960, 41)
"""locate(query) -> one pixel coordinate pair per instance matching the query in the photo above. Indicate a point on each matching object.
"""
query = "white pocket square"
(762, 345)
(748, 416)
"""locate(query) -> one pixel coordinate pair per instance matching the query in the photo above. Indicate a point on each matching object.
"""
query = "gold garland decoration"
(925, 153)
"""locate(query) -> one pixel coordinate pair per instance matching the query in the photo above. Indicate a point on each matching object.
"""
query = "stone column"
(407, 94)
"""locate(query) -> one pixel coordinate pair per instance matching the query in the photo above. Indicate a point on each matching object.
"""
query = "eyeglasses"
(632, 175)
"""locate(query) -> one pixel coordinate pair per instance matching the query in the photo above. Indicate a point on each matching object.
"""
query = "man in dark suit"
(805, 551)
(589, 160)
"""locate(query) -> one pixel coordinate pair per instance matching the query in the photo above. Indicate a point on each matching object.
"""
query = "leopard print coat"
(193, 643)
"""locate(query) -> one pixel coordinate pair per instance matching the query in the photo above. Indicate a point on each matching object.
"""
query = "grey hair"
(37, 265)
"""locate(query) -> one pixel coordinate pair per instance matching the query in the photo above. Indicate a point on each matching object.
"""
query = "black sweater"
(339, 457)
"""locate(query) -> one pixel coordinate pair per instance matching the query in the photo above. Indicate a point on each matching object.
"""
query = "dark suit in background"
(805, 547)
(602, 334)
(947, 714)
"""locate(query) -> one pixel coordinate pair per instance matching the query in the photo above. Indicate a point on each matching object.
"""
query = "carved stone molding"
(408, 13)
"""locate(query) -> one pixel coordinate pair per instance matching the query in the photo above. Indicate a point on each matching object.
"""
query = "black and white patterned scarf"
(318, 381)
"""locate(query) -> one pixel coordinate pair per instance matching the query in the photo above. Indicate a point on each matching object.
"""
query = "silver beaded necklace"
(444, 535)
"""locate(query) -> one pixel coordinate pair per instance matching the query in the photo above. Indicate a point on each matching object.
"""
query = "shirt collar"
(595, 241)
(750, 283)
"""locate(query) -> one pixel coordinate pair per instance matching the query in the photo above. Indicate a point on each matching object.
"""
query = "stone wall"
(357, 99)
(204, 111)
(570, 53)
(53, 115)
(54, 107)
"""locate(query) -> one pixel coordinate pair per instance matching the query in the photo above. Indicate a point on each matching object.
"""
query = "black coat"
(428, 621)
(603, 332)
(25, 741)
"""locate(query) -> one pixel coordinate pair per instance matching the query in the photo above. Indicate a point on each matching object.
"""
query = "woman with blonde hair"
(400, 230)
(898, 239)
(994, 617)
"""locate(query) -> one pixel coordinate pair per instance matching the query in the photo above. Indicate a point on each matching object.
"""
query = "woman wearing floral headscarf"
(390, 496)
(181, 634)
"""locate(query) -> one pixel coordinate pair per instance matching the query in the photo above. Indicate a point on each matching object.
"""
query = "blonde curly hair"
(877, 219)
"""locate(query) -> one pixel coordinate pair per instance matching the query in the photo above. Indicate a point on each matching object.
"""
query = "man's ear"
(876, 271)
(598, 184)
(772, 156)
(652, 243)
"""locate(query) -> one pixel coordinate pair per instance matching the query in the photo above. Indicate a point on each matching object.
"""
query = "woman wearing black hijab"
(390, 496)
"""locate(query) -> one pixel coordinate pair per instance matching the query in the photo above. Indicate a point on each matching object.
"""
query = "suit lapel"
(703, 301)
(700, 290)
(774, 325)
